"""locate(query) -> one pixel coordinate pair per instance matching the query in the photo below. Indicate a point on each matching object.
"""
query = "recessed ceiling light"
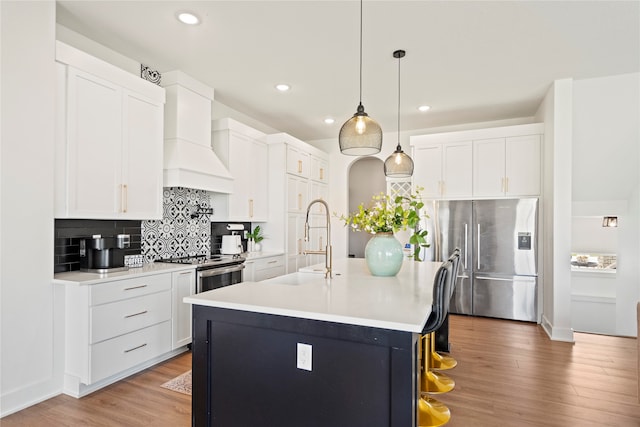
(283, 87)
(329, 121)
(188, 18)
(424, 108)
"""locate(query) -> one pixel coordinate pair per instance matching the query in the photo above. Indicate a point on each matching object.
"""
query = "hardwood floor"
(509, 374)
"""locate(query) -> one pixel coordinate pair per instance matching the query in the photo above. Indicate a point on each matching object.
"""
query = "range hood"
(189, 159)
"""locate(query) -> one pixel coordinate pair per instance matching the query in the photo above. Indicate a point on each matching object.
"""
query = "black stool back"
(441, 298)
(442, 334)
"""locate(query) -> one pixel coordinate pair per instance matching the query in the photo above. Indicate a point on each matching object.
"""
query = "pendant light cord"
(399, 148)
(360, 52)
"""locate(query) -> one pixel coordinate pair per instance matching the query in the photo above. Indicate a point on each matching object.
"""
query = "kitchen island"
(305, 350)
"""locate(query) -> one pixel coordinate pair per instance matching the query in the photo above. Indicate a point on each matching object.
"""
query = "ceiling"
(471, 61)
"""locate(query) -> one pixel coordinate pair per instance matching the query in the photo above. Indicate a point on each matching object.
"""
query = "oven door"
(218, 277)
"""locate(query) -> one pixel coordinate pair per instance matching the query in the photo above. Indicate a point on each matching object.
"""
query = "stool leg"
(433, 382)
(431, 412)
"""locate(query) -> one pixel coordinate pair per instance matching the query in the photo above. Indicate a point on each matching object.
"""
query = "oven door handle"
(208, 272)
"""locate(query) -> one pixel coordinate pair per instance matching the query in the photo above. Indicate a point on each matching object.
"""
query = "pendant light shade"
(360, 135)
(398, 164)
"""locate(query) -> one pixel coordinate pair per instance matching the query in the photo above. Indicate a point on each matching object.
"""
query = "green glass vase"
(383, 255)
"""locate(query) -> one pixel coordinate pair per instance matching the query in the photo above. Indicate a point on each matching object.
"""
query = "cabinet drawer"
(126, 351)
(268, 273)
(118, 318)
(271, 262)
(128, 288)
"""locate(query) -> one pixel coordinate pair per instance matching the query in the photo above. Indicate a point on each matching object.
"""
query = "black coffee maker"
(103, 254)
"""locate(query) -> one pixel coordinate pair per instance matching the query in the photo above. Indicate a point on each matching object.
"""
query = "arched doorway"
(366, 178)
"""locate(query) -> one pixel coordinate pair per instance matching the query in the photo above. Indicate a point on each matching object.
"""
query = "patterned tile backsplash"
(180, 232)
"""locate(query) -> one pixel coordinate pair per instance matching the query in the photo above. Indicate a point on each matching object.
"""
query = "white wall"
(606, 174)
(555, 112)
(30, 339)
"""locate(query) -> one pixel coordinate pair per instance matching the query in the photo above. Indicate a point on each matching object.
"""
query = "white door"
(428, 170)
(523, 165)
(457, 170)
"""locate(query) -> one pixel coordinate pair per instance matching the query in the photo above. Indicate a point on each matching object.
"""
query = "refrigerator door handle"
(520, 278)
(466, 244)
(478, 251)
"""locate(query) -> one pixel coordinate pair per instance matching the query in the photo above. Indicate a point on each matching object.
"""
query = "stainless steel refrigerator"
(498, 272)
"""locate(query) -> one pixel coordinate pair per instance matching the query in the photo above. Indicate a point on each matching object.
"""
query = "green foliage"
(387, 215)
(255, 235)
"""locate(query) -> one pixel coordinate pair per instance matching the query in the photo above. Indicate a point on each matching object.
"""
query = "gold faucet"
(328, 253)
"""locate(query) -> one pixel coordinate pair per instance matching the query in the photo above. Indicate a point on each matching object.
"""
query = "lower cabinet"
(115, 328)
(183, 285)
(264, 268)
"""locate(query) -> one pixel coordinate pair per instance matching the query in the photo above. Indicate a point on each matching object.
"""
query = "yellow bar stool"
(441, 361)
(431, 412)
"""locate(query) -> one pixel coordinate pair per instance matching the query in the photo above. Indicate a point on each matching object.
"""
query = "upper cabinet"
(297, 161)
(108, 141)
(243, 151)
(483, 163)
(444, 169)
(319, 169)
(507, 166)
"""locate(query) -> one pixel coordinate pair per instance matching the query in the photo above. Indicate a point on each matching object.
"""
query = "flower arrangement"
(389, 215)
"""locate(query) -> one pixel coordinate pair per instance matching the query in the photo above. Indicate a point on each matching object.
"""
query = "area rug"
(181, 384)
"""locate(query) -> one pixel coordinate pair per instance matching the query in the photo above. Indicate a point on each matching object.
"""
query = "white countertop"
(352, 296)
(85, 278)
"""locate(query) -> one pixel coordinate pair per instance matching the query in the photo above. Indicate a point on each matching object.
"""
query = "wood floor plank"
(509, 374)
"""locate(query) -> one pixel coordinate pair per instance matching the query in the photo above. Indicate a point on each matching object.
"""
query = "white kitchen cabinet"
(444, 169)
(243, 152)
(297, 194)
(296, 259)
(264, 267)
(109, 141)
(183, 284)
(480, 163)
(297, 161)
(319, 169)
(113, 327)
(298, 174)
(507, 166)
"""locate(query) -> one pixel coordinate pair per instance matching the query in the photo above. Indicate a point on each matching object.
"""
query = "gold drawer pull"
(135, 348)
(272, 262)
(135, 314)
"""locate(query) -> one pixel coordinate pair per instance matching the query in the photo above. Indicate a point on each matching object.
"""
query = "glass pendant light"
(398, 164)
(360, 135)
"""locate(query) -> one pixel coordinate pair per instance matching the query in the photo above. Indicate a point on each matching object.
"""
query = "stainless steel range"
(213, 271)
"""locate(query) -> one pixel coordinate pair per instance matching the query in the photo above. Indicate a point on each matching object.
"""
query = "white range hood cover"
(189, 159)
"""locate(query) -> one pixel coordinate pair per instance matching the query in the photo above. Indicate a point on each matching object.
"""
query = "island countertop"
(353, 296)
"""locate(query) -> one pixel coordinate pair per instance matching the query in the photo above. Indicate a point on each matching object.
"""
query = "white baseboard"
(555, 333)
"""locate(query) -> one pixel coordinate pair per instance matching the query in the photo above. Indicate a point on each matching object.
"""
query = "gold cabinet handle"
(250, 208)
(299, 201)
(321, 173)
(320, 243)
(506, 185)
(299, 166)
(124, 196)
